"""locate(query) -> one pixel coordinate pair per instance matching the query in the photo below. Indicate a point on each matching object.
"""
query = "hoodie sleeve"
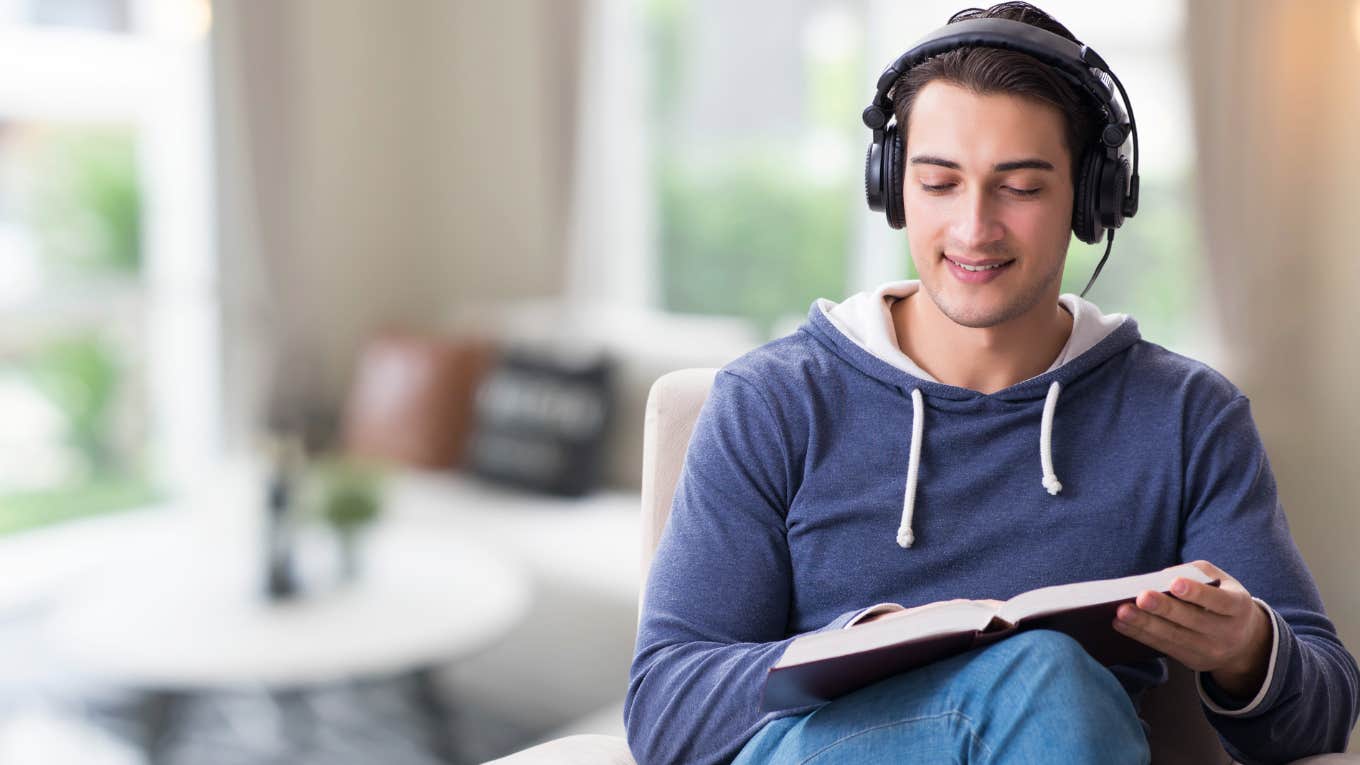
(1308, 702)
(717, 604)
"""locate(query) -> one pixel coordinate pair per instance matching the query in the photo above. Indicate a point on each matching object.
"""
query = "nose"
(975, 223)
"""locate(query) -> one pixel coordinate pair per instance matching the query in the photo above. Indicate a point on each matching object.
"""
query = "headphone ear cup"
(1085, 223)
(873, 177)
(892, 178)
(1114, 182)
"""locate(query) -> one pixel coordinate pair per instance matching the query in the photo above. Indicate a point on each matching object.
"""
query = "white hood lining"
(866, 319)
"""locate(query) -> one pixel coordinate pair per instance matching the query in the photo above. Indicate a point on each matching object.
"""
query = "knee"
(1054, 661)
(1045, 645)
(1050, 683)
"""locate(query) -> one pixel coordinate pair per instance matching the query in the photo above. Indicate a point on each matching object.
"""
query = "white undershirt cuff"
(1265, 685)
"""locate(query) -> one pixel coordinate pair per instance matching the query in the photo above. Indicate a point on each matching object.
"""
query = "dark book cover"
(820, 681)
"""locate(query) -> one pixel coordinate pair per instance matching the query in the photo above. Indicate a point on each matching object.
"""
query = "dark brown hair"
(991, 70)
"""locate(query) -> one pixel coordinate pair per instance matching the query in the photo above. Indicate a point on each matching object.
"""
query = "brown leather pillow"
(411, 402)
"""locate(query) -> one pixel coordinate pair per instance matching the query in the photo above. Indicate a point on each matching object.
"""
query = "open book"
(823, 665)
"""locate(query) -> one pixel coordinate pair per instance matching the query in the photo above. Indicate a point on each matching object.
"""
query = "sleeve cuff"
(881, 608)
(1211, 700)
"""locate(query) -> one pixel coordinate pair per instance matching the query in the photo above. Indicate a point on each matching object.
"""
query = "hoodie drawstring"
(1046, 440)
(905, 536)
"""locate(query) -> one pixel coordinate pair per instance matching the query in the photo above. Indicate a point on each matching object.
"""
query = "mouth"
(977, 272)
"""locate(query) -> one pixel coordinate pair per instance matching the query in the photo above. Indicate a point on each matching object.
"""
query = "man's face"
(984, 154)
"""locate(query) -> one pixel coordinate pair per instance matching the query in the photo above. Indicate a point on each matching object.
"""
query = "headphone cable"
(1109, 242)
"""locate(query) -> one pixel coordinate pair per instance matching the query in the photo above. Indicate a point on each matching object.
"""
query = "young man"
(976, 435)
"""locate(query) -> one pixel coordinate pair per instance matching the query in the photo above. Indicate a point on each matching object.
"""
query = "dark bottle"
(280, 573)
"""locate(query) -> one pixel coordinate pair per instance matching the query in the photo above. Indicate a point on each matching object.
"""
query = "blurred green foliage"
(85, 203)
(80, 376)
(81, 198)
(745, 227)
(750, 237)
(31, 509)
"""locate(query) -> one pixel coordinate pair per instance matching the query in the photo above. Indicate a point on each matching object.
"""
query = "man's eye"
(943, 187)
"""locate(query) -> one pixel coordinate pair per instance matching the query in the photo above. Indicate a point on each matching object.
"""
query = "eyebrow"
(1000, 167)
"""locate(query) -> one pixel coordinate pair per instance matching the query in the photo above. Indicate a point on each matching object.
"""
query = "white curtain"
(1277, 109)
(255, 96)
(610, 257)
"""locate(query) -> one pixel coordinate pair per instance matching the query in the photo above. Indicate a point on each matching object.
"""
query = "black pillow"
(541, 420)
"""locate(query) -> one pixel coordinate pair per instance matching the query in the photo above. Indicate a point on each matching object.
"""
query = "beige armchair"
(1180, 733)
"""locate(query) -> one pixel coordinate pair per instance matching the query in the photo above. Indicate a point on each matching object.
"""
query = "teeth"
(977, 268)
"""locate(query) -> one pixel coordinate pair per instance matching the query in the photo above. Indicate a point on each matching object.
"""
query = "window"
(759, 159)
(106, 339)
(754, 157)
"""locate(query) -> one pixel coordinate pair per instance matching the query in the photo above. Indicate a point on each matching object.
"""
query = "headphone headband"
(1078, 63)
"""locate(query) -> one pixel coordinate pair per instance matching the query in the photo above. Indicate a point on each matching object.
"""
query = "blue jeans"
(1037, 697)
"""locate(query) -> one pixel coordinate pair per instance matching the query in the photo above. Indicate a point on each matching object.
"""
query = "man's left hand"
(1219, 630)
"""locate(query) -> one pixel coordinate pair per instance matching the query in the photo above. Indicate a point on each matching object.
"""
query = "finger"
(1188, 615)
(1136, 629)
(1216, 599)
(1171, 639)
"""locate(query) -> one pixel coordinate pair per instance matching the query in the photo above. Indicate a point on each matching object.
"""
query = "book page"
(929, 620)
(1047, 600)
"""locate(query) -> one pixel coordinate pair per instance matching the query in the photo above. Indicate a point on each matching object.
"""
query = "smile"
(967, 267)
(977, 274)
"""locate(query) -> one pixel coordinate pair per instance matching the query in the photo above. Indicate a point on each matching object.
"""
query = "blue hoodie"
(828, 472)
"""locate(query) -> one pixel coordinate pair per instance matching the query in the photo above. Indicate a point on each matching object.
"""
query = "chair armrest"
(586, 749)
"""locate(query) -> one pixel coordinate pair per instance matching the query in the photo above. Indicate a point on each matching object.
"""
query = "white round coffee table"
(192, 619)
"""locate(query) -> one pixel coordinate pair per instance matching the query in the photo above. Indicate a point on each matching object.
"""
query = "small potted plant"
(349, 499)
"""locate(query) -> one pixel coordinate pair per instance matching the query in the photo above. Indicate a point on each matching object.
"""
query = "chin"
(976, 312)
(978, 318)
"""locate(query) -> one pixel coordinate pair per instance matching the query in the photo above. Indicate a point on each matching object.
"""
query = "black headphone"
(1106, 189)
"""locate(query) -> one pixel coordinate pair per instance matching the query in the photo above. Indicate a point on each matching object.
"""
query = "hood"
(860, 331)
(865, 320)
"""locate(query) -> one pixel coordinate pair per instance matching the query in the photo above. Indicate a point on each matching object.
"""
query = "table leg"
(441, 716)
